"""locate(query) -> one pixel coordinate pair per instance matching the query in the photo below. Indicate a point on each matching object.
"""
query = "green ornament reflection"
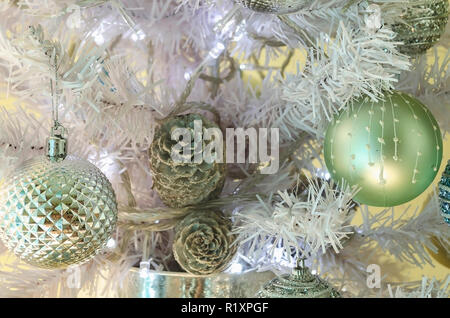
(391, 149)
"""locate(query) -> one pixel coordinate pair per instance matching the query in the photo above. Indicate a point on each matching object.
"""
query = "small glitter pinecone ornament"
(300, 284)
(56, 214)
(274, 6)
(444, 194)
(203, 243)
(180, 184)
(423, 23)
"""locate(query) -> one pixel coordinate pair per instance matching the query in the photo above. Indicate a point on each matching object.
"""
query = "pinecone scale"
(181, 184)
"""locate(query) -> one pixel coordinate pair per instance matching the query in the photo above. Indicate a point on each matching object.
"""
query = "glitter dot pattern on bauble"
(390, 149)
(53, 215)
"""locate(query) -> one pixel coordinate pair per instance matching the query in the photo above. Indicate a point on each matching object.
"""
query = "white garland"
(429, 288)
(295, 226)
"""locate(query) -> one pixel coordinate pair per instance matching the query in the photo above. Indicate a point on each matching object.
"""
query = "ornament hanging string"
(56, 143)
(54, 89)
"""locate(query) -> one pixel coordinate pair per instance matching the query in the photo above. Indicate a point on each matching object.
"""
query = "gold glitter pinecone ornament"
(300, 284)
(274, 6)
(423, 23)
(180, 184)
(203, 244)
(55, 214)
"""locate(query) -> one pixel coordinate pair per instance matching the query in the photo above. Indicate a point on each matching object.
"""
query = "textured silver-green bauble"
(300, 284)
(55, 214)
(180, 184)
(444, 194)
(274, 6)
(390, 149)
(203, 243)
(421, 25)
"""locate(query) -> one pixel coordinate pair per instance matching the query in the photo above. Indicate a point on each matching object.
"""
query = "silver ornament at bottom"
(300, 284)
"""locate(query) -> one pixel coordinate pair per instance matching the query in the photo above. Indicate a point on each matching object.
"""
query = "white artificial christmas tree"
(126, 66)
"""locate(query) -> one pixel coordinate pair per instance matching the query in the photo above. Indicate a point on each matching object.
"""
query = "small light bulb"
(139, 35)
(240, 31)
(216, 18)
(236, 268)
(227, 27)
(217, 50)
(99, 39)
(111, 244)
(144, 268)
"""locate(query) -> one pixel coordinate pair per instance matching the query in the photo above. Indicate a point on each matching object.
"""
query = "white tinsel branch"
(354, 63)
(294, 225)
(429, 288)
(29, 62)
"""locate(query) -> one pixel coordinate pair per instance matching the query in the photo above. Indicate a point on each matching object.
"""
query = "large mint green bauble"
(391, 149)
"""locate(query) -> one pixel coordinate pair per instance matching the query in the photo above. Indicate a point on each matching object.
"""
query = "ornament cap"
(57, 144)
(301, 272)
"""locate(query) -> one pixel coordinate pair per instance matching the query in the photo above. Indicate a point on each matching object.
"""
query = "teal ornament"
(444, 194)
(390, 149)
